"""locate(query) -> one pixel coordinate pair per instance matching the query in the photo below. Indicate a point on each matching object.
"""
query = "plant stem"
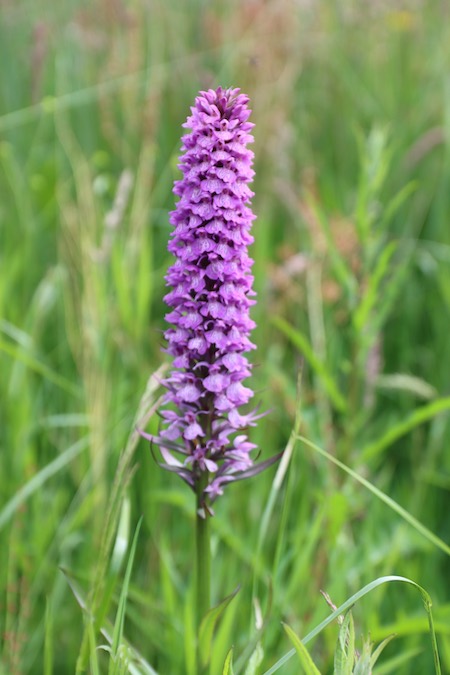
(203, 566)
(203, 579)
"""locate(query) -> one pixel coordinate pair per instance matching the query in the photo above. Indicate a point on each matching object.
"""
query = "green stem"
(203, 564)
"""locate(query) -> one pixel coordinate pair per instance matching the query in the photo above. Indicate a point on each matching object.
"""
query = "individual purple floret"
(210, 297)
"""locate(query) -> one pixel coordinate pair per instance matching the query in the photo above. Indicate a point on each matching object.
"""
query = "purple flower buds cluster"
(203, 437)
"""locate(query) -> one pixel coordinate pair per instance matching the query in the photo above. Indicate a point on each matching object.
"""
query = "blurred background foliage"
(351, 102)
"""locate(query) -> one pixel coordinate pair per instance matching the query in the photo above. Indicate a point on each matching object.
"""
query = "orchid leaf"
(208, 626)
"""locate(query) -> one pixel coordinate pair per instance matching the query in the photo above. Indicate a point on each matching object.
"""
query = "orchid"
(210, 297)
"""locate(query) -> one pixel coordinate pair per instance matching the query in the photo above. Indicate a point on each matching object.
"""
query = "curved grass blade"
(37, 481)
(350, 602)
(416, 524)
(419, 416)
(40, 368)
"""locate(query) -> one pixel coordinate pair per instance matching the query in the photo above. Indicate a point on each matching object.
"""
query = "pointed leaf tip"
(308, 665)
(209, 623)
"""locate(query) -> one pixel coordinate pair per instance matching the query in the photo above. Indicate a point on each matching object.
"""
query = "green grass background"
(351, 102)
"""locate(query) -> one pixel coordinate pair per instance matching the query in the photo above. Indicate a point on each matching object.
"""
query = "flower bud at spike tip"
(210, 297)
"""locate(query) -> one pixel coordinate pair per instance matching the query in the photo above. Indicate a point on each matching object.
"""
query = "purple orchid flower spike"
(210, 297)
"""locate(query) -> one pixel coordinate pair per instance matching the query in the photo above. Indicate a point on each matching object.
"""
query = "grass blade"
(416, 524)
(419, 416)
(39, 479)
(40, 368)
(350, 602)
(120, 616)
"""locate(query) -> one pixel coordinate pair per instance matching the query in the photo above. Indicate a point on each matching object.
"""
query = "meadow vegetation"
(351, 102)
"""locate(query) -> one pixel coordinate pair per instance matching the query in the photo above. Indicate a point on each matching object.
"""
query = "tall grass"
(352, 252)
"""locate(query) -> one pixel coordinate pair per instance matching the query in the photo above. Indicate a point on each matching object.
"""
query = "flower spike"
(210, 297)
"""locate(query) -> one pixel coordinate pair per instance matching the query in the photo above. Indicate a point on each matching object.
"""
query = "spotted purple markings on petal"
(210, 294)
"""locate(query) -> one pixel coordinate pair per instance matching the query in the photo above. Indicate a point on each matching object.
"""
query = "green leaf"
(377, 653)
(208, 625)
(120, 616)
(308, 665)
(344, 656)
(228, 665)
(224, 636)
